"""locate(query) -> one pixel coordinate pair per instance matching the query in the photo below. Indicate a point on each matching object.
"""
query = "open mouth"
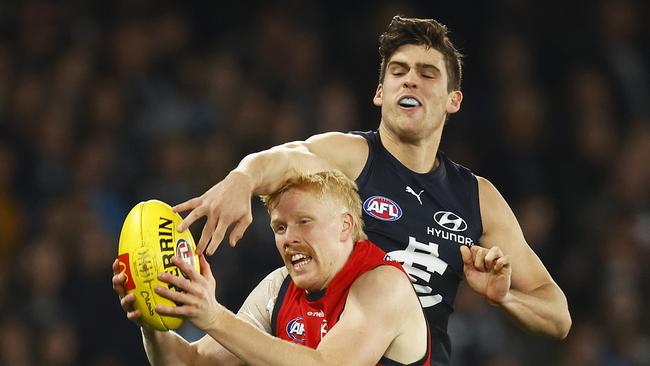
(409, 102)
(300, 260)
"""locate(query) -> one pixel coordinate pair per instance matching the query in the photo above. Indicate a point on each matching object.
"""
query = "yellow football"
(148, 242)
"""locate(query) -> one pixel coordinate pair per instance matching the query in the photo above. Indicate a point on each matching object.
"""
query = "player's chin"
(304, 280)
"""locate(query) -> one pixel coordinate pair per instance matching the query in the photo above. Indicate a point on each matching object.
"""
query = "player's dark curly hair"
(428, 32)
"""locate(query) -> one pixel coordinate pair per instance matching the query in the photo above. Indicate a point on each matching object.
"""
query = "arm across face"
(228, 203)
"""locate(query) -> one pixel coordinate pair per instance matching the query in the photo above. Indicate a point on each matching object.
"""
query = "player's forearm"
(255, 347)
(544, 310)
(266, 170)
(166, 348)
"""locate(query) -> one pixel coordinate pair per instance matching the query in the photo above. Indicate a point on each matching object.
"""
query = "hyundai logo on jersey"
(382, 208)
(450, 221)
(296, 329)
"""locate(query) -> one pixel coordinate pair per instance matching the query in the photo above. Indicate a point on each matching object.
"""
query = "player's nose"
(291, 236)
(410, 80)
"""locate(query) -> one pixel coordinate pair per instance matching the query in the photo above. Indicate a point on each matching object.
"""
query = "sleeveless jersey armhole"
(278, 304)
(370, 137)
(258, 306)
(476, 206)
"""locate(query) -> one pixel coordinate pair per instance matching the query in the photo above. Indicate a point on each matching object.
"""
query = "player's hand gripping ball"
(148, 242)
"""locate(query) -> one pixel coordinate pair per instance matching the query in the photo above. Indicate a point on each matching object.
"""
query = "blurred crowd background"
(107, 103)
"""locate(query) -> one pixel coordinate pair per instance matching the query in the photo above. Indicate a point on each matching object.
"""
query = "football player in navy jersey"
(438, 219)
(342, 298)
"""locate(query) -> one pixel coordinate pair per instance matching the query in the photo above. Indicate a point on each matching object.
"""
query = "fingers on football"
(188, 269)
(116, 266)
(175, 296)
(179, 282)
(118, 280)
(118, 284)
(128, 303)
(172, 310)
(134, 315)
(116, 275)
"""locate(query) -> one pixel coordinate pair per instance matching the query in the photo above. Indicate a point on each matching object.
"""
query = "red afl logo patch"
(184, 252)
(382, 208)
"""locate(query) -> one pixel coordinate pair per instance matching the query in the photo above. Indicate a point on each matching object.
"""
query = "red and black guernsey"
(305, 318)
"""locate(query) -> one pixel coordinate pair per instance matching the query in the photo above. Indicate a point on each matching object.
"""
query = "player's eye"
(397, 71)
(279, 229)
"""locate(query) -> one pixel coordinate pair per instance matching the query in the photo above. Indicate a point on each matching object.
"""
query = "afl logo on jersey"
(450, 221)
(382, 208)
(296, 329)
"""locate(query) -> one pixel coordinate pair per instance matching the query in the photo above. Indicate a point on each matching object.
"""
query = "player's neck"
(418, 155)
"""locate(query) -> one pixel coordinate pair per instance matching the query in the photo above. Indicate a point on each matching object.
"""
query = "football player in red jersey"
(342, 299)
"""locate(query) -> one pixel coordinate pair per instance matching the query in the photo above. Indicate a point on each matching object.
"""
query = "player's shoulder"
(345, 150)
(336, 138)
(382, 280)
(488, 193)
(276, 277)
(455, 166)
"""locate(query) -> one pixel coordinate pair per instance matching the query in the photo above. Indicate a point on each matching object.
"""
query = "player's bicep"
(256, 309)
(501, 228)
(370, 321)
(332, 150)
(343, 151)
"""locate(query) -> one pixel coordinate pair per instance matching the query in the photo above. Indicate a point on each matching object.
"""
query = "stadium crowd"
(105, 104)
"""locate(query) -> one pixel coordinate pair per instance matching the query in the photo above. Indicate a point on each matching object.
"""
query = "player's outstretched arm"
(168, 348)
(508, 272)
(228, 203)
(365, 324)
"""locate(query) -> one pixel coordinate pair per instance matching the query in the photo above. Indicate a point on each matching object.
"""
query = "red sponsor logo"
(123, 263)
(184, 252)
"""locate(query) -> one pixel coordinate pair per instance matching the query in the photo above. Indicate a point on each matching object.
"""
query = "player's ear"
(376, 100)
(347, 229)
(453, 101)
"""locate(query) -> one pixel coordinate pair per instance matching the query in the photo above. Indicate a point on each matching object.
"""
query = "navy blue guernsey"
(421, 220)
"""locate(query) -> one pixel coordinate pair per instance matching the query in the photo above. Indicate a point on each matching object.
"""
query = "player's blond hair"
(331, 184)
